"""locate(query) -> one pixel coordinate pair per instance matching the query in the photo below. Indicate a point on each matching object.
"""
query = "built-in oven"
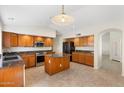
(40, 58)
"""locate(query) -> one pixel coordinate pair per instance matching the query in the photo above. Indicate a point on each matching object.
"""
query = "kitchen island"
(55, 63)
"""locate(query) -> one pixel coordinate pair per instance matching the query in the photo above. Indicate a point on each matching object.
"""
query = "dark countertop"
(85, 51)
(12, 64)
(31, 51)
(58, 55)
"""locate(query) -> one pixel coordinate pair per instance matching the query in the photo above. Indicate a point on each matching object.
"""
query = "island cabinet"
(29, 59)
(25, 40)
(86, 58)
(9, 39)
(56, 64)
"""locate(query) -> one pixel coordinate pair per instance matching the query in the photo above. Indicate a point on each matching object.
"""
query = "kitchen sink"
(10, 58)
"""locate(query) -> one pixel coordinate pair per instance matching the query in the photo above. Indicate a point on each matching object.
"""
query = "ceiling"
(39, 15)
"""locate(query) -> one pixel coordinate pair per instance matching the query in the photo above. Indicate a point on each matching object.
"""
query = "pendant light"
(62, 19)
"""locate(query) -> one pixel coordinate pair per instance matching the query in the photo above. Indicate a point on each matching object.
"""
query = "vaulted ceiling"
(39, 15)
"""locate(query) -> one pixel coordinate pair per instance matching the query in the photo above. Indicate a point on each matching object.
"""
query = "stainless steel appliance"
(40, 58)
(39, 44)
(68, 48)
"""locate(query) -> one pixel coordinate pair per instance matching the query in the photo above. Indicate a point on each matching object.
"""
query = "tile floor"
(77, 76)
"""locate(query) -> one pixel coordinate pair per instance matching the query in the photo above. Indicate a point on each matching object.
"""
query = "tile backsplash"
(24, 49)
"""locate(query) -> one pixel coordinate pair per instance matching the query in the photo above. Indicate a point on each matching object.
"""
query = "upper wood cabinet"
(38, 39)
(19, 40)
(14, 40)
(48, 42)
(25, 40)
(9, 39)
(91, 40)
(84, 41)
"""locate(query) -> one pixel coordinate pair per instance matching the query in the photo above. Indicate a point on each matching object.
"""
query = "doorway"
(111, 47)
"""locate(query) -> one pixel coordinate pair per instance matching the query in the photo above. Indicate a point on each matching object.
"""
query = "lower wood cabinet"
(29, 59)
(89, 59)
(83, 58)
(12, 76)
(75, 56)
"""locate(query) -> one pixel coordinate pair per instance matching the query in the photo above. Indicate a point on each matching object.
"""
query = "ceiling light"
(62, 19)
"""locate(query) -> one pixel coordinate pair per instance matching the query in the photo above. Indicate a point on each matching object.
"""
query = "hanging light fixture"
(62, 19)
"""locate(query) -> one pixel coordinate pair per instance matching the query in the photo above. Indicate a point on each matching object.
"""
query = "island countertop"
(58, 55)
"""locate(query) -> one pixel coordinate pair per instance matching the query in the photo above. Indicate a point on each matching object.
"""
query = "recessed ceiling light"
(11, 18)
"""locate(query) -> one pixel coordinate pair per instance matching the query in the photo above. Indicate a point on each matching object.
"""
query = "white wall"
(0, 44)
(31, 30)
(106, 44)
(115, 44)
(58, 44)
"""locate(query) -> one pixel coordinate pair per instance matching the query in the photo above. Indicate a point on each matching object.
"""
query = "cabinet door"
(75, 57)
(48, 42)
(14, 40)
(76, 42)
(57, 65)
(65, 63)
(25, 40)
(31, 60)
(29, 41)
(21, 40)
(6, 39)
(81, 58)
(89, 59)
(91, 40)
(38, 39)
(85, 41)
(25, 59)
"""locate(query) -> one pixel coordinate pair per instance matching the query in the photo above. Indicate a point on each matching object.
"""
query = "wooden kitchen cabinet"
(9, 39)
(65, 62)
(84, 41)
(25, 40)
(29, 59)
(48, 42)
(6, 39)
(14, 40)
(12, 76)
(91, 40)
(77, 42)
(75, 57)
(38, 39)
(83, 58)
(56, 64)
(89, 59)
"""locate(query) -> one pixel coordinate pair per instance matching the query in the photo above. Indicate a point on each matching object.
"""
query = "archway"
(100, 46)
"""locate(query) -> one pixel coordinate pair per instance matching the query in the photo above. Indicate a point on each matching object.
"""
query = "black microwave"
(39, 44)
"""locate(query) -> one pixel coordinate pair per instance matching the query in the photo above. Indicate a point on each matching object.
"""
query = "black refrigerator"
(68, 48)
